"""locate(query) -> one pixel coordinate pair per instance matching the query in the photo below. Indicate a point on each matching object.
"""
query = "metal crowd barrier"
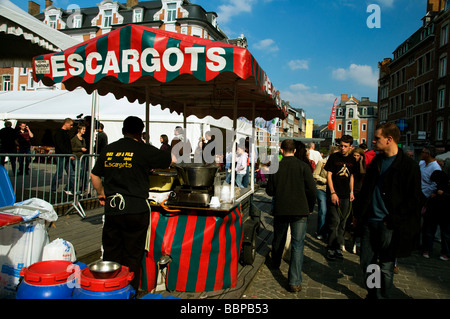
(60, 179)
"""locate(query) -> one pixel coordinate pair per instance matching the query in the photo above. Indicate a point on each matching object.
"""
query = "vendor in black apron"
(124, 166)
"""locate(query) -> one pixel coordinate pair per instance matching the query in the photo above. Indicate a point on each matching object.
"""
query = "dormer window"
(52, 21)
(77, 21)
(137, 15)
(107, 19)
(171, 12)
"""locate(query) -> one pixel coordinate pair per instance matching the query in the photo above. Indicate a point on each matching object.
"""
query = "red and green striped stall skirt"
(204, 247)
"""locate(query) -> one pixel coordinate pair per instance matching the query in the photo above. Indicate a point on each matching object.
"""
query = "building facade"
(357, 118)
(414, 84)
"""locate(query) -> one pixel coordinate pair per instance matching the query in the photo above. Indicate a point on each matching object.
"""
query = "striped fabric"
(204, 250)
(127, 59)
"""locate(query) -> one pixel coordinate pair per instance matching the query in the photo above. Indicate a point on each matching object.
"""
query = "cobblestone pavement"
(418, 277)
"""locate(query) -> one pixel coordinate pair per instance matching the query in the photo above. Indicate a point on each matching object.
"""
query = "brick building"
(414, 84)
(357, 118)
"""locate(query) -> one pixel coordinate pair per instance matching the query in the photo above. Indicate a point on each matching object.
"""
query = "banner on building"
(309, 128)
(332, 121)
(355, 129)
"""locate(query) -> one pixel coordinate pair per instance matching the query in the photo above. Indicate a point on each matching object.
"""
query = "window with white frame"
(23, 87)
(6, 85)
(77, 21)
(137, 15)
(349, 125)
(23, 71)
(52, 21)
(107, 19)
(439, 129)
(443, 66)
(30, 80)
(441, 98)
(364, 127)
(350, 113)
(171, 12)
(339, 127)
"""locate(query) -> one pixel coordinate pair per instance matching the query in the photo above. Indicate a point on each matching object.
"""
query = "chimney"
(48, 3)
(435, 5)
(132, 3)
(344, 97)
(33, 8)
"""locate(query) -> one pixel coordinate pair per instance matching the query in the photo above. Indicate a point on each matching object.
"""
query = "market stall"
(199, 245)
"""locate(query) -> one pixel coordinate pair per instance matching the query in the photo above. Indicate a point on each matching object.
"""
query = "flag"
(332, 122)
(355, 129)
(309, 128)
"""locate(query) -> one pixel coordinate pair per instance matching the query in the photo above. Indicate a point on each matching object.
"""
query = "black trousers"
(123, 241)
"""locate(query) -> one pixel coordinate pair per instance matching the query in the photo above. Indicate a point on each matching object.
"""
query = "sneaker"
(331, 254)
(396, 270)
(443, 257)
(339, 254)
(319, 237)
(426, 255)
(68, 192)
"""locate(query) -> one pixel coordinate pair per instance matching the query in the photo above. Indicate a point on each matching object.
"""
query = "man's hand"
(335, 199)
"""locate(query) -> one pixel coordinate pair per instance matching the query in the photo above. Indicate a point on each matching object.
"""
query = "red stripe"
(136, 43)
(221, 255)
(114, 45)
(186, 67)
(185, 254)
(161, 45)
(169, 235)
(204, 258)
(91, 47)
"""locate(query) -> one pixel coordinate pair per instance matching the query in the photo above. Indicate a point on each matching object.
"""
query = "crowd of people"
(382, 200)
(19, 141)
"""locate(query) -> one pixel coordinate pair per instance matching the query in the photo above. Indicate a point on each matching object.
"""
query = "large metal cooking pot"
(196, 174)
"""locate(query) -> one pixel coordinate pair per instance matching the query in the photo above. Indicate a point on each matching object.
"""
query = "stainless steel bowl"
(104, 269)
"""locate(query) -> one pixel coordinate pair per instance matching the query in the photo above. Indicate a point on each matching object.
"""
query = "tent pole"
(93, 113)
(147, 115)
(233, 156)
(252, 150)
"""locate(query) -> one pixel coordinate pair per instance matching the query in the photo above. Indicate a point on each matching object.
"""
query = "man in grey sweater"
(294, 196)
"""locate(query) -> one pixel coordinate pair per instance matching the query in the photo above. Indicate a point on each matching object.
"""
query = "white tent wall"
(56, 105)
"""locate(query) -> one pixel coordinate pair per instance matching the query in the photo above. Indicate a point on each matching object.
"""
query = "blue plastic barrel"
(117, 287)
(46, 280)
(123, 293)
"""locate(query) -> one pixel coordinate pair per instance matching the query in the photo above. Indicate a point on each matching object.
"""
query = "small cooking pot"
(196, 174)
(162, 179)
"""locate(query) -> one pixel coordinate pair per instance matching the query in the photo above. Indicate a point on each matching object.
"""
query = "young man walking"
(390, 211)
(294, 193)
(340, 167)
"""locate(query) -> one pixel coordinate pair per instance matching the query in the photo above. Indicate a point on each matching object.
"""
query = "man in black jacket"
(390, 212)
(294, 195)
(64, 146)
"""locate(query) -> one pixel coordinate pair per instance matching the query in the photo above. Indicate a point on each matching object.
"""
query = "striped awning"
(183, 73)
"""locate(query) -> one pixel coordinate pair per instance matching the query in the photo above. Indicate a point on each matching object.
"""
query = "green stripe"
(201, 69)
(175, 253)
(125, 44)
(196, 252)
(172, 43)
(148, 41)
(213, 257)
(102, 49)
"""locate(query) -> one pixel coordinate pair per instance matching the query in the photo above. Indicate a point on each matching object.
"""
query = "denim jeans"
(67, 165)
(375, 241)
(240, 180)
(298, 231)
(322, 210)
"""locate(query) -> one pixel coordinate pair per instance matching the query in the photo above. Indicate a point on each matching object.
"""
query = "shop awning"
(185, 74)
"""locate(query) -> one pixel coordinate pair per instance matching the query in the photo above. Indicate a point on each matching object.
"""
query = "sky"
(313, 51)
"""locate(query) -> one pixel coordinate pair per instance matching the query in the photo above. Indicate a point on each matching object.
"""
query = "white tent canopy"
(22, 37)
(59, 104)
